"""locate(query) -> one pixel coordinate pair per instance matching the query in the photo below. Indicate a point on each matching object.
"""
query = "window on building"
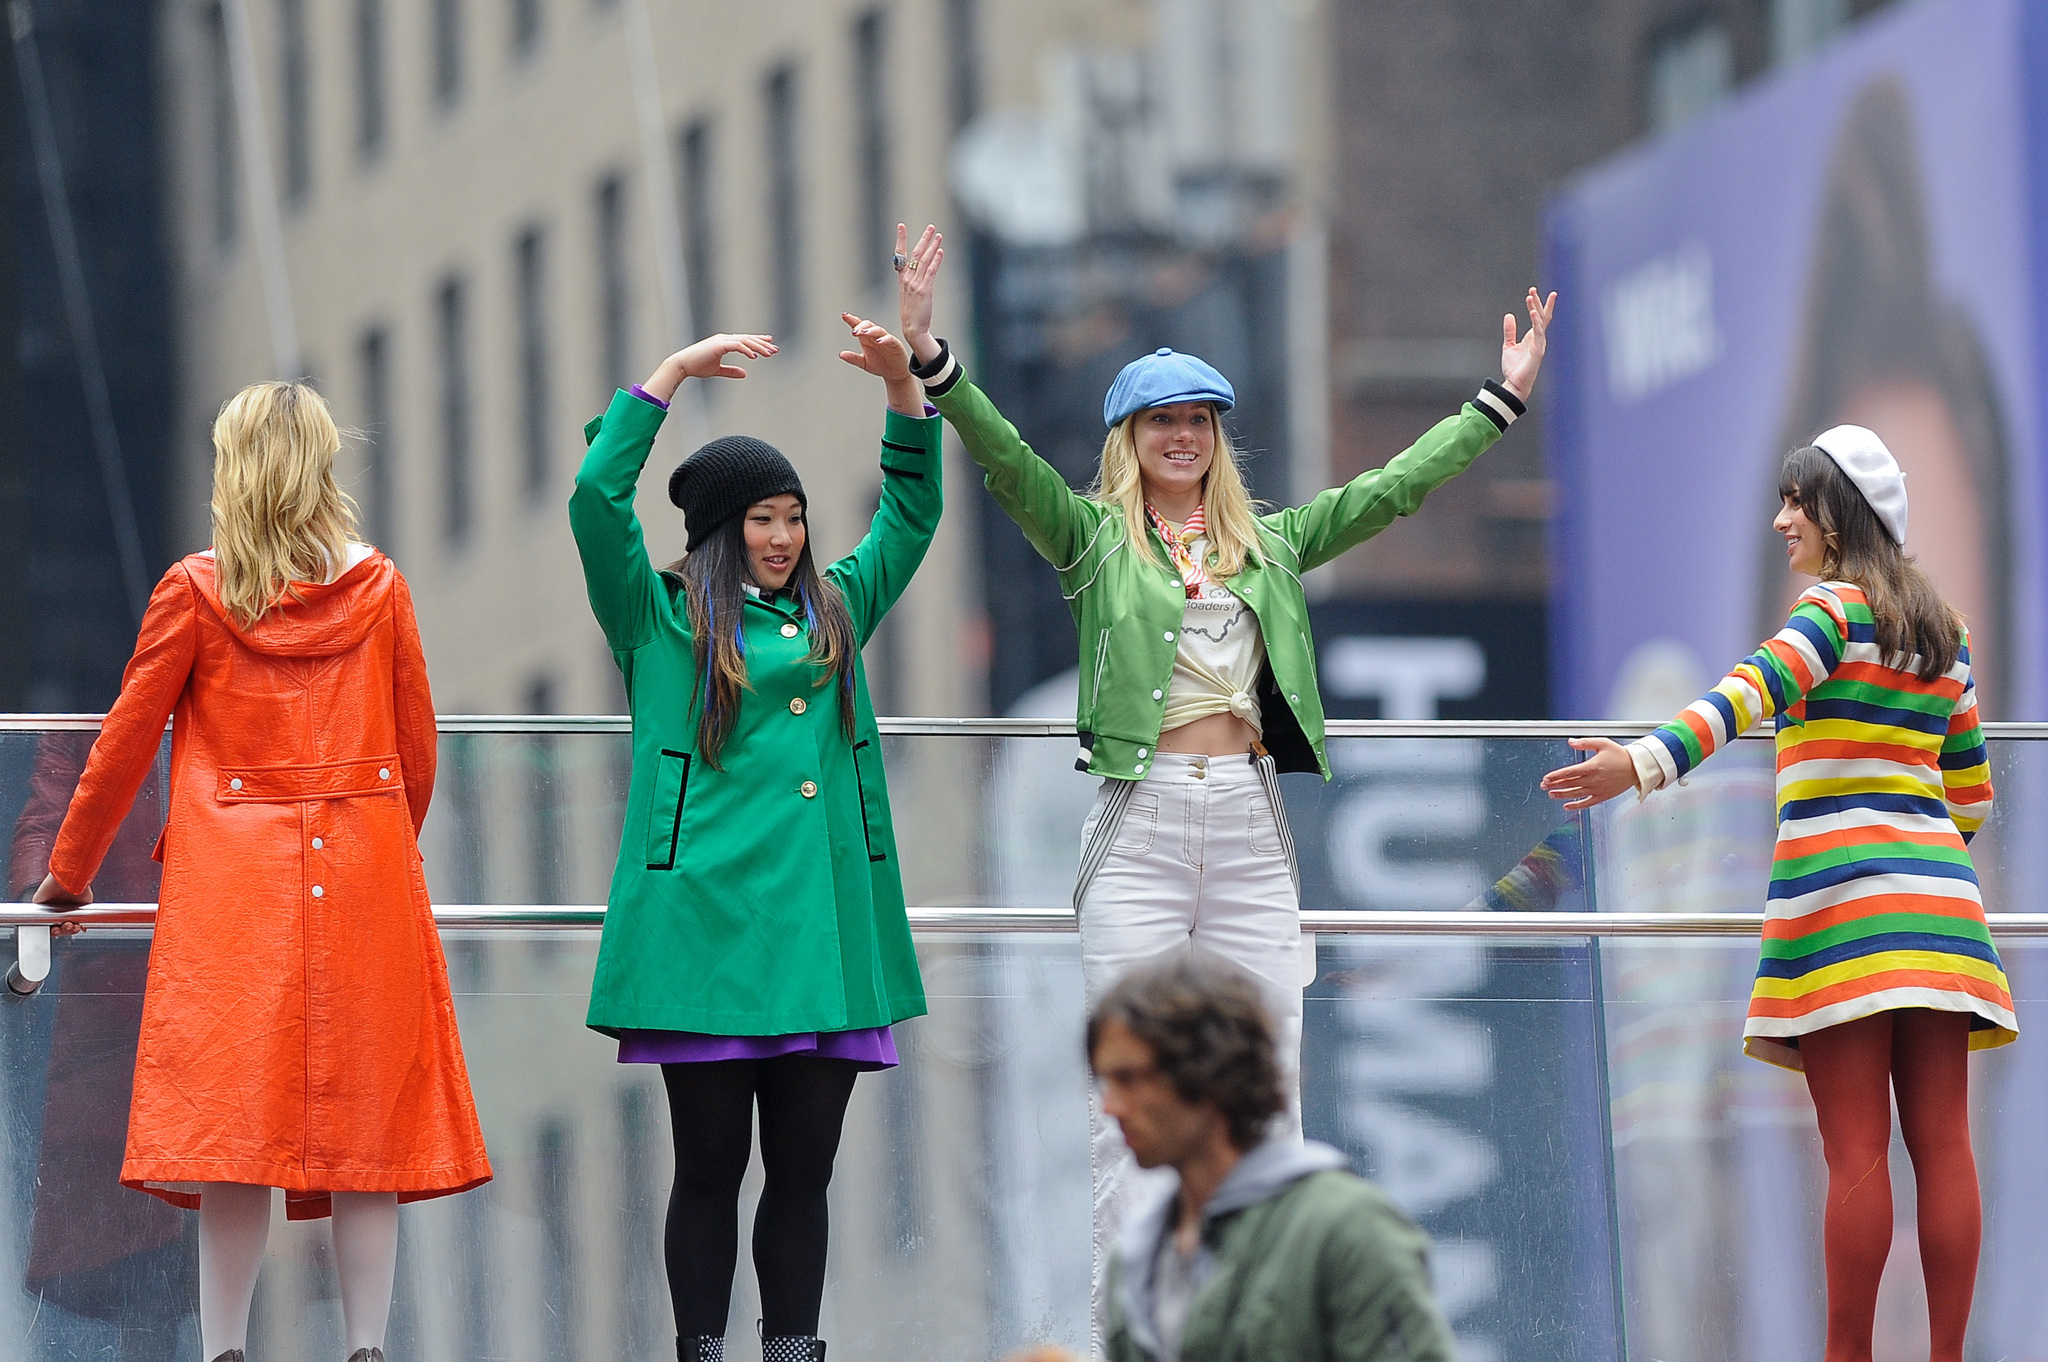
(640, 1194)
(963, 63)
(1800, 26)
(526, 17)
(700, 229)
(614, 322)
(226, 168)
(447, 20)
(477, 1264)
(555, 1181)
(370, 113)
(544, 802)
(295, 75)
(534, 406)
(457, 493)
(785, 222)
(1691, 70)
(876, 226)
(373, 355)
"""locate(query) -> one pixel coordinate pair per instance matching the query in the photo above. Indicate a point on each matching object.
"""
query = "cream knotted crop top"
(1216, 663)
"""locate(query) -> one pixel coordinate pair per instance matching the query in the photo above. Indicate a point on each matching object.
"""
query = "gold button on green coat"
(733, 910)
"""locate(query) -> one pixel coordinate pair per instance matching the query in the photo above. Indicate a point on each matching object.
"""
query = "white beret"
(1858, 452)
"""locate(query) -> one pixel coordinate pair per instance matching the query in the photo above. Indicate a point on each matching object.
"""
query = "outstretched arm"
(1771, 680)
(874, 576)
(128, 741)
(1344, 517)
(617, 574)
(1060, 523)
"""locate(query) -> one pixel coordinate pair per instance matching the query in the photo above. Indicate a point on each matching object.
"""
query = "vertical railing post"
(31, 961)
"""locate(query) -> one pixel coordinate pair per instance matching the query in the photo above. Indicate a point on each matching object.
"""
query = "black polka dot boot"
(792, 1348)
(701, 1348)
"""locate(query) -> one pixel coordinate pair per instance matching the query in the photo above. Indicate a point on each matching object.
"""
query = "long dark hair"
(1912, 619)
(714, 579)
(1874, 316)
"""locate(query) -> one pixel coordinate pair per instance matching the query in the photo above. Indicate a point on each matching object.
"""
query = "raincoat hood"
(313, 619)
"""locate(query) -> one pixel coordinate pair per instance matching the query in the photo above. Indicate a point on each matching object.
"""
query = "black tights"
(711, 1110)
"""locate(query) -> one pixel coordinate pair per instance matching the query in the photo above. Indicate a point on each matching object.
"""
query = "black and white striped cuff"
(941, 374)
(1499, 404)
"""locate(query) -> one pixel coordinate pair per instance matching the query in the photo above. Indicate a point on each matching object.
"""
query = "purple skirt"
(872, 1047)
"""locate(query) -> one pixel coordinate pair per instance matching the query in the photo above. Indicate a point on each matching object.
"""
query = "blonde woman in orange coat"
(297, 1030)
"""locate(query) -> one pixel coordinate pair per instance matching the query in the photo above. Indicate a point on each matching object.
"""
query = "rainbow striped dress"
(1882, 780)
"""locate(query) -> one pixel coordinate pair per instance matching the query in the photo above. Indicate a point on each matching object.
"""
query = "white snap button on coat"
(1139, 768)
(789, 631)
(1158, 695)
(1142, 753)
(1169, 635)
(1294, 699)
(318, 892)
(235, 784)
(317, 844)
(383, 773)
(809, 789)
(797, 706)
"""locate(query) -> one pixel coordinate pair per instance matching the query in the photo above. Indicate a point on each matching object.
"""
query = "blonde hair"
(278, 515)
(1226, 503)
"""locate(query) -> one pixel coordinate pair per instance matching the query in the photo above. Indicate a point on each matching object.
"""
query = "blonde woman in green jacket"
(755, 943)
(1198, 679)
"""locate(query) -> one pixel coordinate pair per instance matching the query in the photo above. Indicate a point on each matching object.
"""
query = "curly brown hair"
(1209, 1034)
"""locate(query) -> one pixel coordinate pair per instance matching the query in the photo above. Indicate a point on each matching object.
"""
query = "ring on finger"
(898, 261)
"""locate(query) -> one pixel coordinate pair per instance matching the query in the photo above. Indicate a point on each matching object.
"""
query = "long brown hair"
(1874, 316)
(278, 515)
(714, 578)
(1913, 621)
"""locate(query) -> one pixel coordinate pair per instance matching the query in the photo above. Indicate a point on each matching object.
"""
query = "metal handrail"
(949, 919)
(945, 727)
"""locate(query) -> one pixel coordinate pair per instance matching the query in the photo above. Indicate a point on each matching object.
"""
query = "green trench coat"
(763, 899)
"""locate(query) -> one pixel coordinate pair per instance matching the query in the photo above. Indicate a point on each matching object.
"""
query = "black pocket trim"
(866, 838)
(675, 827)
(902, 449)
(903, 472)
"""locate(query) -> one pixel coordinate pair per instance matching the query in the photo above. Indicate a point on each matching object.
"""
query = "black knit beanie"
(724, 478)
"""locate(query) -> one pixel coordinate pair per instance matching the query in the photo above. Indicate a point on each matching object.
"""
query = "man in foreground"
(1268, 1249)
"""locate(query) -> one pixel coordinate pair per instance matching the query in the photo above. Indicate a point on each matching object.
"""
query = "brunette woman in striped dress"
(1878, 974)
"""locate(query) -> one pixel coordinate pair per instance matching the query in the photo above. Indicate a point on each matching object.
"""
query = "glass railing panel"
(1463, 1075)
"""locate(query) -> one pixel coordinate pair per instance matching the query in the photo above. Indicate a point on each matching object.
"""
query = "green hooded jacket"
(763, 899)
(1306, 1263)
(1128, 610)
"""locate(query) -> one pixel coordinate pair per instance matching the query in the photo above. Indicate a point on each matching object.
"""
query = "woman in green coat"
(1197, 676)
(755, 944)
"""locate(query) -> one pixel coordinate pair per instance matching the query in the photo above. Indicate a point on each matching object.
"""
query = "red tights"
(1852, 1070)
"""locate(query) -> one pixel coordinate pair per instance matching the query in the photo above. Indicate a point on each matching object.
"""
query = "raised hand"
(888, 359)
(1521, 359)
(916, 285)
(1608, 772)
(706, 359)
(51, 894)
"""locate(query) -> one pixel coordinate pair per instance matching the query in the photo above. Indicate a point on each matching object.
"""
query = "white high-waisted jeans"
(1199, 861)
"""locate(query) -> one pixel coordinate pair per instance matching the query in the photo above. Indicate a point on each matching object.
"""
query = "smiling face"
(1176, 444)
(1805, 546)
(775, 540)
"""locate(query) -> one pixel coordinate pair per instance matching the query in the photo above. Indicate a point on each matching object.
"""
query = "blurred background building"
(470, 220)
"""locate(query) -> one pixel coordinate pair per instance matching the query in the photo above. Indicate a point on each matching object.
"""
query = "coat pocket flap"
(321, 780)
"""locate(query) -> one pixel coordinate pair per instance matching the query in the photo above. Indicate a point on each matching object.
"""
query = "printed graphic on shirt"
(1215, 613)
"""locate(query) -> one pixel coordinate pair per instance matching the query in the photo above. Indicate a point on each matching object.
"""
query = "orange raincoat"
(297, 1029)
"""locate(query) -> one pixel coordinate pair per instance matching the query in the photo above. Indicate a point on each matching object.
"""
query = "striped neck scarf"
(1181, 544)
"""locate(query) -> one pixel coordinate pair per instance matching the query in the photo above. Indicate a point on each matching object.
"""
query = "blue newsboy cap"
(1161, 377)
